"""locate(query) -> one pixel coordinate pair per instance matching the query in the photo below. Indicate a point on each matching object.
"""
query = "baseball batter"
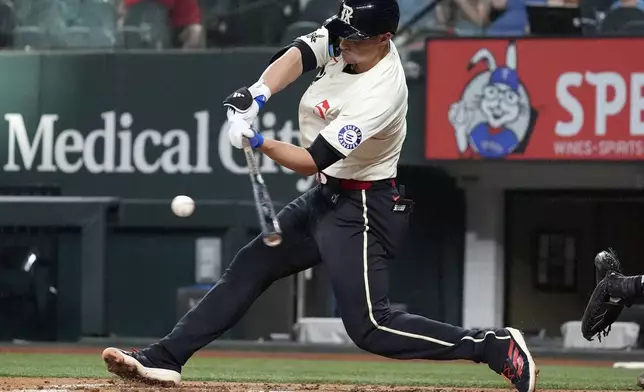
(352, 121)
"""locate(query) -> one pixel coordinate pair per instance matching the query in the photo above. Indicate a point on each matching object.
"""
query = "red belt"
(351, 185)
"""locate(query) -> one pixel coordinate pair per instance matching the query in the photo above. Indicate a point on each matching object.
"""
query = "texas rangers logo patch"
(350, 137)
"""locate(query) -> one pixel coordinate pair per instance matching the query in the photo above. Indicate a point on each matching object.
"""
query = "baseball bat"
(271, 231)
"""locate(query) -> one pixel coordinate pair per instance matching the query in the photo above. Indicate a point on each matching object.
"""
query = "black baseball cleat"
(509, 356)
(135, 366)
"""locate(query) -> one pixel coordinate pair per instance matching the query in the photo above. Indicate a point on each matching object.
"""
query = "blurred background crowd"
(162, 24)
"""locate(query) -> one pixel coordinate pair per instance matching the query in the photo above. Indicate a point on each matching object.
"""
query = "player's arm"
(304, 54)
(284, 71)
(291, 156)
(356, 123)
(305, 161)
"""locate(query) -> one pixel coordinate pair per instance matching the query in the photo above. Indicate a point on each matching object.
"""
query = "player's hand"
(239, 129)
(245, 103)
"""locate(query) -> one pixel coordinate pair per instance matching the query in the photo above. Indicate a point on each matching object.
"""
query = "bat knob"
(273, 239)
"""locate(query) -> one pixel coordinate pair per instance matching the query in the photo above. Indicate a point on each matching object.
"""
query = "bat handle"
(246, 143)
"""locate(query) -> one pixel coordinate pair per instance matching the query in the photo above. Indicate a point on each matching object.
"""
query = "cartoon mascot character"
(493, 117)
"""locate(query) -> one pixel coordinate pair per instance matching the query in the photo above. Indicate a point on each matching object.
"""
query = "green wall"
(145, 127)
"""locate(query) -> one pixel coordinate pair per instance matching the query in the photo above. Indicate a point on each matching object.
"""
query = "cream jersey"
(363, 116)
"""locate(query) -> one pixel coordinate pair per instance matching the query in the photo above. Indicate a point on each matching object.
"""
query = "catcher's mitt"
(606, 262)
(602, 310)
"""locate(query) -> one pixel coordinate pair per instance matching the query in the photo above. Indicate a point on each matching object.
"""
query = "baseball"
(183, 206)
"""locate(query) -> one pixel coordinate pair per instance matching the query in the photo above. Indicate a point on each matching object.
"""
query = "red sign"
(535, 99)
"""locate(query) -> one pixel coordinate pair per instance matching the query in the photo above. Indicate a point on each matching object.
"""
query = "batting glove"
(239, 129)
(245, 103)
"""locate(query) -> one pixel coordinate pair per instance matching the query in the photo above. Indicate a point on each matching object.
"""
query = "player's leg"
(253, 270)
(365, 234)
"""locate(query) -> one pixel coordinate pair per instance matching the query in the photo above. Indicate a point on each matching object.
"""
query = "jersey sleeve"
(315, 49)
(357, 122)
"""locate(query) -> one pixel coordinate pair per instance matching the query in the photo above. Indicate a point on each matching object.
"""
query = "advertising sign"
(138, 125)
(535, 99)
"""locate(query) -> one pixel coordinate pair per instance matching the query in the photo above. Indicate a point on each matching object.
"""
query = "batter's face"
(365, 51)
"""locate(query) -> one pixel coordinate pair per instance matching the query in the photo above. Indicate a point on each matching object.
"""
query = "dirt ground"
(112, 385)
(17, 384)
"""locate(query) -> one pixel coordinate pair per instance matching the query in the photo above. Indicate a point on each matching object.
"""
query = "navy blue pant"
(355, 234)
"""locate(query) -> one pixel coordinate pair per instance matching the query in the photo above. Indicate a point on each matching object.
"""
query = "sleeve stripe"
(323, 153)
(309, 62)
(335, 151)
(280, 53)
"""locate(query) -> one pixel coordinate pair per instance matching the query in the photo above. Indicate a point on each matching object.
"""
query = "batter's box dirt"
(14, 384)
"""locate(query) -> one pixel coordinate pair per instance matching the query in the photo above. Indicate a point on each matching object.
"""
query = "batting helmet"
(362, 19)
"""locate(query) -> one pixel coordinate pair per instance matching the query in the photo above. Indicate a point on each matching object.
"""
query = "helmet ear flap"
(334, 45)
